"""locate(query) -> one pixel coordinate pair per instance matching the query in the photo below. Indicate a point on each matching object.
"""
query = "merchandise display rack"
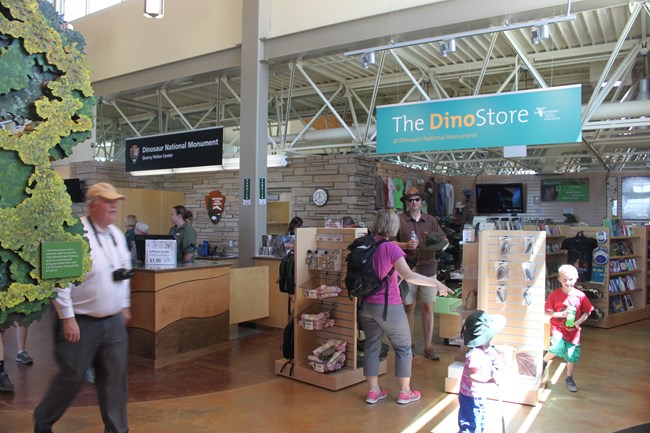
(309, 240)
(519, 295)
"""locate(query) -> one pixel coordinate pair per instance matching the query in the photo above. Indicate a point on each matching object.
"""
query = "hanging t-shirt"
(398, 192)
(380, 193)
(389, 196)
(579, 254)
(450, 198)
(441, 209)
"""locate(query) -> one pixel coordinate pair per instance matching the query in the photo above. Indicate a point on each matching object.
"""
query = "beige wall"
(120, 40)
(289, 16)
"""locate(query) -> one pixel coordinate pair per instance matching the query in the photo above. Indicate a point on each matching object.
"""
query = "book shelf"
(311, 272)
(624, 277)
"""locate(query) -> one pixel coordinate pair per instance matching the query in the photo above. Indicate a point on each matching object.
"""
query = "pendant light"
(154, 8)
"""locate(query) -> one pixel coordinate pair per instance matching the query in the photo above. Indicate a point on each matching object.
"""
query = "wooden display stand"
(504, 294)
(345, 312)
(622, 249)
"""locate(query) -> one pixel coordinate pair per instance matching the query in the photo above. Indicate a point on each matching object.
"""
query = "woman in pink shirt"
(396, 325)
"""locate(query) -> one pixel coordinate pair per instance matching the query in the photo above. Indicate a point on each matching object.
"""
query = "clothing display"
(579, 254)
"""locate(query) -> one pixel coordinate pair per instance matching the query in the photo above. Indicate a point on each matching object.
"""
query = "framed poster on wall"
(565, 189)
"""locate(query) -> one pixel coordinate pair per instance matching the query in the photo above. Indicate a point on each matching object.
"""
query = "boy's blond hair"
(567, 271)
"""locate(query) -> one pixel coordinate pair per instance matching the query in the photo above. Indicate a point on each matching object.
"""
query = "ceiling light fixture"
(154, 8)
(367, 59)
(502, 28)
(537, 33)
(447, 47)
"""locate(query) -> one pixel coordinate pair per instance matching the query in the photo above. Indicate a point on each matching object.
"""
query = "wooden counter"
(178, 313)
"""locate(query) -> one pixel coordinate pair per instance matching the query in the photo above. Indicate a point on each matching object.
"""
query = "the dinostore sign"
(542, 116)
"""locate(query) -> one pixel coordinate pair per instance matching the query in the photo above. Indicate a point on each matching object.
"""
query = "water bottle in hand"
(570, 316)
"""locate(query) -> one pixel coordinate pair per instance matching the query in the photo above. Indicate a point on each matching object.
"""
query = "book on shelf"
(629, 303)
(616, 304)
(631, 282)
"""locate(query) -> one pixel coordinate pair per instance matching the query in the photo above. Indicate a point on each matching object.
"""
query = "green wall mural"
(46, 109)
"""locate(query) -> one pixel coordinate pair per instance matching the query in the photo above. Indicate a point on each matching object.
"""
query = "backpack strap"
(384, 282)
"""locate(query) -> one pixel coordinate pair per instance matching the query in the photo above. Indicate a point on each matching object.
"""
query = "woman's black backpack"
(361, 279)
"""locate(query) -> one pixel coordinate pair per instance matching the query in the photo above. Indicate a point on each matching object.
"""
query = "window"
(73, 9)
(635, 198)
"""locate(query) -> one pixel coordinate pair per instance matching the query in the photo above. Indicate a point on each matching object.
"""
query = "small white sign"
(160, 252)
(514, 151)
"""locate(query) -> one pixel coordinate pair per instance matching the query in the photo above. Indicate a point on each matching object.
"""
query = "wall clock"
(320, 197)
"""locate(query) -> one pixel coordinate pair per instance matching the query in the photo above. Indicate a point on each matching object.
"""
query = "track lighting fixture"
(539, 30)
(448, 46)
(538, 33)
(367, 59)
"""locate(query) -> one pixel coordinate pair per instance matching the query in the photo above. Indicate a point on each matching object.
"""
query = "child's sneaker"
(571, 385)
(375, 396)
(408, 397)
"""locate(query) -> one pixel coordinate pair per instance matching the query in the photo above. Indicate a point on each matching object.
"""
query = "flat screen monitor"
(141, 241)
(495, 198)
(76, 189)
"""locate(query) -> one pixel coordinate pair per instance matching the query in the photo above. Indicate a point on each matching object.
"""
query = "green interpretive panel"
(61, 259)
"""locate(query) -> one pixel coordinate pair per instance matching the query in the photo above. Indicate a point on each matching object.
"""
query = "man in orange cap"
(414, 230)
(91, 330)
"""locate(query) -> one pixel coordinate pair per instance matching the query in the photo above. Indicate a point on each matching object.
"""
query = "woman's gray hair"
(142, 227)
(386, 223)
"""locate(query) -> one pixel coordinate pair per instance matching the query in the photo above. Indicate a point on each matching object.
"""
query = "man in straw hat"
(414, 231)
(481, 364)
(91, 330)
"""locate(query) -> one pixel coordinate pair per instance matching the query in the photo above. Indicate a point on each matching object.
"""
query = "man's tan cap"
(105, 191)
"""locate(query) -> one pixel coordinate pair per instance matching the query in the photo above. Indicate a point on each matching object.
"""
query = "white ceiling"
(616, 135)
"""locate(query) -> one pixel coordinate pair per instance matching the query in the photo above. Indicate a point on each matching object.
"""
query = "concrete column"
(254, 117)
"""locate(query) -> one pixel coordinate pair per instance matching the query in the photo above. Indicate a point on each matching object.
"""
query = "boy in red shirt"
(568, 308)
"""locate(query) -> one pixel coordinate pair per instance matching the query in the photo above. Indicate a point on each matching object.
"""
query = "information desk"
(178, 313)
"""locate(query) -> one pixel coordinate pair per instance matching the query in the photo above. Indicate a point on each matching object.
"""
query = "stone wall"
(349, 180)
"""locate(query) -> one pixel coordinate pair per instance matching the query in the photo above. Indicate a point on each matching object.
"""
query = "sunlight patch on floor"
(430, 414)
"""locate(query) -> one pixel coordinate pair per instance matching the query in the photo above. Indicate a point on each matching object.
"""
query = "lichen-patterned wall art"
(45, 110)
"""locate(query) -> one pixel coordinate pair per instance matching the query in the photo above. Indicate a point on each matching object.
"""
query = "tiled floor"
(235, 390)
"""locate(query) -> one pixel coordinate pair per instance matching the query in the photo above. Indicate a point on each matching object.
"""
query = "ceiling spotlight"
(534, 35)
(544, 32)
(154, 8)
(367, 59)
(447, 47)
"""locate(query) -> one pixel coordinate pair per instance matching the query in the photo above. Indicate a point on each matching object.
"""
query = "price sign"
(160, 252)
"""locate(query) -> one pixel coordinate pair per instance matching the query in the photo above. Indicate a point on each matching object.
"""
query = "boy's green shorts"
(562, 348)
